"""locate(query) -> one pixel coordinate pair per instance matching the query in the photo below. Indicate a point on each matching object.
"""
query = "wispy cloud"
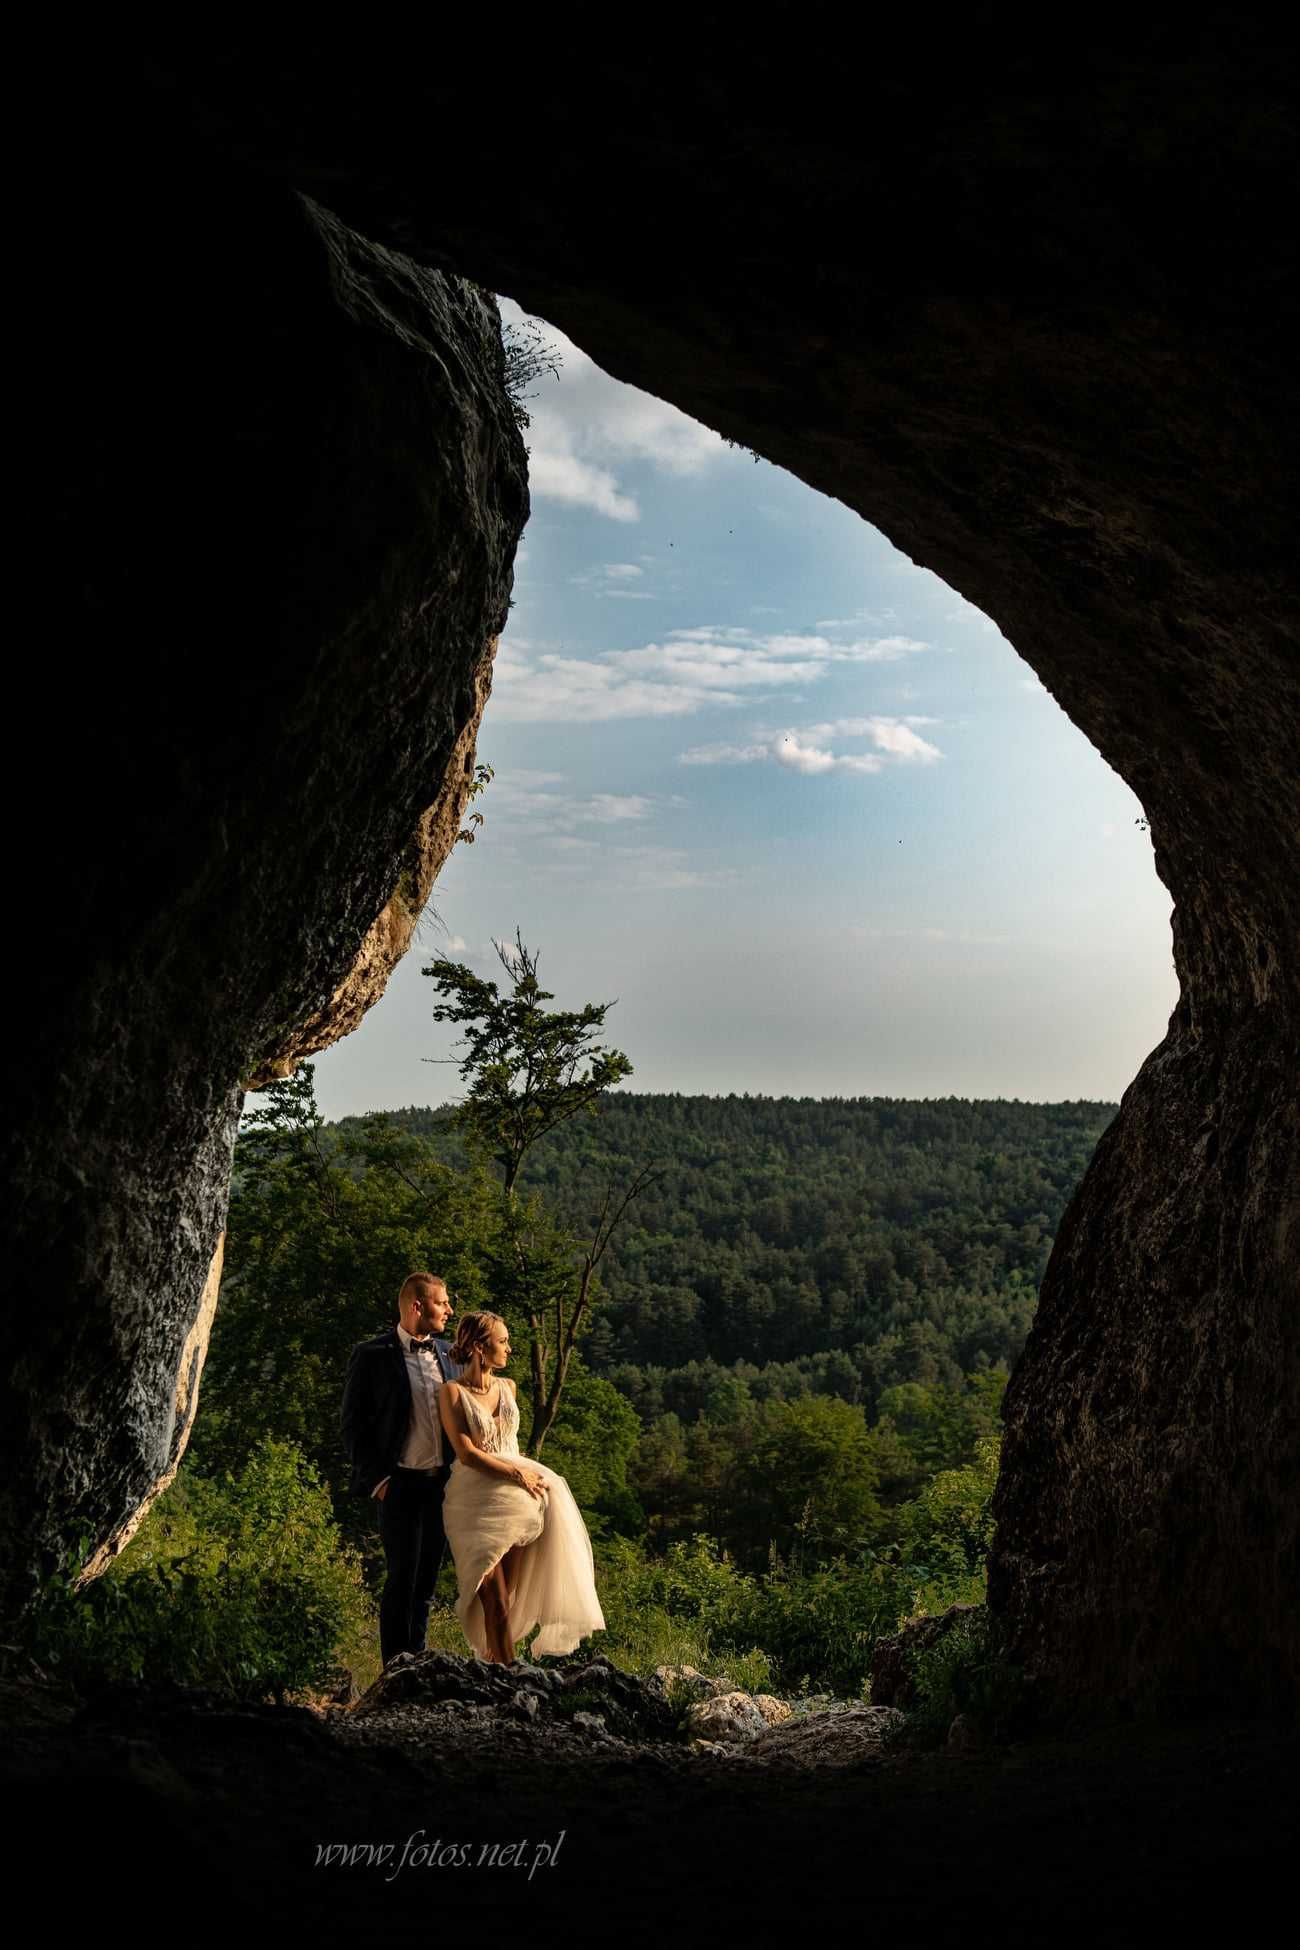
(615, 579)
(809, 751)
(525, 798)
(685, 672)
(584, 427)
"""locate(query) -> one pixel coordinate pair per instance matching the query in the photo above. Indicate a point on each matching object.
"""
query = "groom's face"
(434, 1310)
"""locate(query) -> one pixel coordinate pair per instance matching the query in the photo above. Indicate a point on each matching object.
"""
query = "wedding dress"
(554, 1581)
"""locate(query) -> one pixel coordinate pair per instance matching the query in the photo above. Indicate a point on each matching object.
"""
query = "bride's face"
(497, 1349)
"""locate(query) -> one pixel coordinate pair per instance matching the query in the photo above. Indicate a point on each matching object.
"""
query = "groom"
(394, 1438)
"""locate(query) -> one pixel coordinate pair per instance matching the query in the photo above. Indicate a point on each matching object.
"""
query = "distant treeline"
(838, 1246)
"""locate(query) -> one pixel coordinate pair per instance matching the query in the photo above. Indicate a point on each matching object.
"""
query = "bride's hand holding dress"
(505, 1510)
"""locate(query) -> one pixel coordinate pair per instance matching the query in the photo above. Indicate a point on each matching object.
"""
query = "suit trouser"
(410, 1528)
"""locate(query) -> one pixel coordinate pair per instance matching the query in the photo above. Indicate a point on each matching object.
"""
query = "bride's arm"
(456, 1429)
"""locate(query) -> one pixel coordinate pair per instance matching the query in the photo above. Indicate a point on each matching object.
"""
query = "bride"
(521, 1549)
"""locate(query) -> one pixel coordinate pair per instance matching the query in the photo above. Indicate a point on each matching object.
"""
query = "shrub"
(962, 1672)
(238, 1585)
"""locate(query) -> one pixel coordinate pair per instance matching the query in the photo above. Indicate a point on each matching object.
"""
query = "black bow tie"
(421, 1347)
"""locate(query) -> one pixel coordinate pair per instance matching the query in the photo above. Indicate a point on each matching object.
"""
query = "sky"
(788, 800)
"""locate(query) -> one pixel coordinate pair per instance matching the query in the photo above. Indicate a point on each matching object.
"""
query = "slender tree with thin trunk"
(527, 1069)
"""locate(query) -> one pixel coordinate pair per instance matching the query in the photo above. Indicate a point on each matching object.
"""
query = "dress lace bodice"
(497, 1433)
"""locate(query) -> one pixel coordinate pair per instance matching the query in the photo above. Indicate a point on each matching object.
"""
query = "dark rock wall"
(288, 489)
(1028, 306)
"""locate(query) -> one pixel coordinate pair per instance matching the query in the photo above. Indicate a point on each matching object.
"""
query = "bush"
(820, 1630)
(669, 1610)
(238, 1585)
(944, 1534)
(963, 1672)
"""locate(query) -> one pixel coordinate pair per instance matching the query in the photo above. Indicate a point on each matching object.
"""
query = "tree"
(523, 1064)
(529, 1069)
(807, 1482)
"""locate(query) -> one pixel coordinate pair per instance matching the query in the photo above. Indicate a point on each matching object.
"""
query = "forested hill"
(850, 1242)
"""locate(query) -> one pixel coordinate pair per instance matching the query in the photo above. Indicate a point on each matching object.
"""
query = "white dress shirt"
(423, 1446)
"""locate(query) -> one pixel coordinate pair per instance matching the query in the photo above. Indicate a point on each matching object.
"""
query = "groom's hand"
(382, 1491)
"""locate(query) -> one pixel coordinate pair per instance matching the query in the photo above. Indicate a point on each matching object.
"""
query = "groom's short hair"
(414, 1280)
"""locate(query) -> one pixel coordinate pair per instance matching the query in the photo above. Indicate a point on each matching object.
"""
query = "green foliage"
(761, 1513)
(810, 1246)
(805, 1484)
(944, 1534)
(526, 353)
(239, 1585)
(483, 777)
(963, 1672)
(323, 1227)
(819, 1629)
(528, 1069)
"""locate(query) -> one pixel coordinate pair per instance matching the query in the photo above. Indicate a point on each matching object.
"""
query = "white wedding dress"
(485, 1514)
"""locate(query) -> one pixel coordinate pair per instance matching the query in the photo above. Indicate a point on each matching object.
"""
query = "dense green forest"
(835, 1245)
(778, 1408)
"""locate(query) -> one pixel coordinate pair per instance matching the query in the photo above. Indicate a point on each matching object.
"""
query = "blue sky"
(791, 799)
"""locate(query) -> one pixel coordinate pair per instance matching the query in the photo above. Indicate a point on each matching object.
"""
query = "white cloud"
(689, 670)
(878, 650)
(555, 473)
(519, 800)
(614, 579)
(663, 869)
(723, 754)
(611, 807)
(892, 735)
(562, 690)
(584, 424)
(808, 751)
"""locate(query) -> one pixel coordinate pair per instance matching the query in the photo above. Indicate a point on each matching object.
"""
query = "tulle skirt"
(554, 1578)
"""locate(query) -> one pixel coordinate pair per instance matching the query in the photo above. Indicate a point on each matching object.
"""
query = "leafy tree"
(528, 1070)
(806, 1485)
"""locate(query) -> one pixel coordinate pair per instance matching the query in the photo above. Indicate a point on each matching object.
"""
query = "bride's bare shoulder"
(510, 1383)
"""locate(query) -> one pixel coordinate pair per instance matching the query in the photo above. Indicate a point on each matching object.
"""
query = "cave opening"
(1054, 368)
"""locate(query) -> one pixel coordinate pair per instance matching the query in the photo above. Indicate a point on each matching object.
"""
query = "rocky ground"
(579, 1802)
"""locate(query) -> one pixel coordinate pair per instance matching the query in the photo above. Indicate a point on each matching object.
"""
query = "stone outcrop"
(1031, 313)
(290, 487)
(389, 935)
(592, 1695)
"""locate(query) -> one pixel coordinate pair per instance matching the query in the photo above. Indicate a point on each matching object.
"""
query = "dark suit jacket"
(376, 1413)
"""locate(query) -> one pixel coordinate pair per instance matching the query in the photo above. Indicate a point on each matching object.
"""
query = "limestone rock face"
(389, 936)
(296, 483)
(1031, 316)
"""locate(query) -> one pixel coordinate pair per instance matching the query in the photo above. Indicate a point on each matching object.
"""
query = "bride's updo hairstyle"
(472, 1331)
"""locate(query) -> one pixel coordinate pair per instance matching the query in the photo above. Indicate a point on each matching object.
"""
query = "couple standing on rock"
(432, 1431)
